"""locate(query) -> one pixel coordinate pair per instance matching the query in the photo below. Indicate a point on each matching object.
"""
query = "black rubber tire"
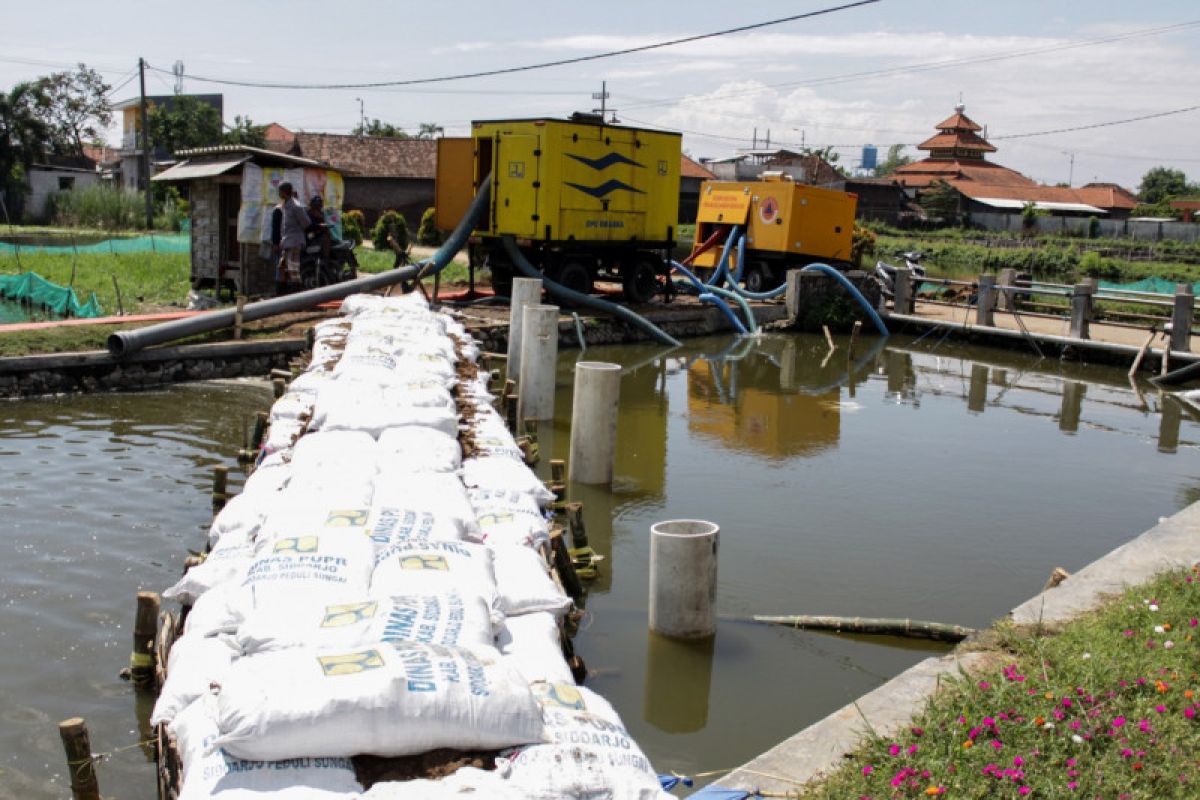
(574, 275)
(639, 280)
(757, 279)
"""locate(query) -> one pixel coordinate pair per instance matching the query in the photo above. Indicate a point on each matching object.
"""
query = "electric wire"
(542, 65)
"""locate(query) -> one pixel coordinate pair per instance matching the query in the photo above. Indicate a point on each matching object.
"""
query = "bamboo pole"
(829, 337)
(80, 764)
(145, 631)
(260, 430)
(575, 524)
(558, 479)
(564, 565)
(219, 487)
(1137, 361)
(853, 338)
(117, 288)
(878, 626)
(279, 385)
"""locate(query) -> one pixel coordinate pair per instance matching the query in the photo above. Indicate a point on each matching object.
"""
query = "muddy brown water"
(941, 483)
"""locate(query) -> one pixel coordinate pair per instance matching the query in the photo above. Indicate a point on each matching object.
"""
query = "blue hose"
(709, 297)
(702, 289)
(578, 298)
(854, 292)
(723, 264)
(741, 245)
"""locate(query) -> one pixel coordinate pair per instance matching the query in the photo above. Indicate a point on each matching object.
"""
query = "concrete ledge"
(1173, 543)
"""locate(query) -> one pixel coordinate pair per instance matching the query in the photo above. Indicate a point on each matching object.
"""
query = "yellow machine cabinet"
(786, 225)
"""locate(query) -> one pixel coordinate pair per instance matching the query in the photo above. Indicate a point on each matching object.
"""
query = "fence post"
(986, 301)
(1081, 309)
(1008, 300)
(902, 302)
(1181, 318)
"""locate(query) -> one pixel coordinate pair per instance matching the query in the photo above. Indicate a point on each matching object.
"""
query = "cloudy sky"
(882, 73)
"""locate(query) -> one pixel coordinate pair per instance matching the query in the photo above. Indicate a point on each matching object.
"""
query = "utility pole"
(602, 96)
(362, 118)
(1071, 173)
(145, 146)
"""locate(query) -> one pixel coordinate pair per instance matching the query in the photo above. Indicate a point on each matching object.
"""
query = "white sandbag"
(391, 525)
(291, 406)
(218, 611)
(415, 449)
(449, 619)
(592, 754)
(509, 517)
(330, 568)
(331, 329)
(524, 581)
(467, 782)
(323, 451)
(491, 436)
(389, 700)
(531, 643)
(310, 383)
(268, 477)
(437, 567)
(282, 434)
(227, 562)
(194, 663)
(318, 512)
(504, 474)
(440, 493)
(375, 413)
(359, 305)
(240, 519)
(218, 774)
(351, 487)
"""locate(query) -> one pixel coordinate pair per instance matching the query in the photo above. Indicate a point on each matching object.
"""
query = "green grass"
(1109, 707)
(373, 261)
(144, 278)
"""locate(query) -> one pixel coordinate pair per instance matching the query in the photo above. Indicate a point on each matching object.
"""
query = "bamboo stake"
(237, 316)
(829, 337)
(1166, 356)
(558, 479)
(260, 430)
(78, 747)
(575, 524)
(510, 411)
(279, 385)
(219, 486)
(145, 631)
(854, 337)
(564, 565)
(879, 626)
(117, 288)
(1137, 361)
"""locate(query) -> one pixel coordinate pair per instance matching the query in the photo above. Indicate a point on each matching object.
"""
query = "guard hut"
(232, 190)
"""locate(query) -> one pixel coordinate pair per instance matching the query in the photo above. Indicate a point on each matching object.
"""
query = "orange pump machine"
(787, 225)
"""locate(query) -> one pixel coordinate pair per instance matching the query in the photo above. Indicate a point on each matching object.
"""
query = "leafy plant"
(428, 234)
(353, 224)
(862, 244)
(390, 223)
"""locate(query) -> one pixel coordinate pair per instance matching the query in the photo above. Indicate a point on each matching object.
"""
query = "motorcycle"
(317, 270)
(885, 273)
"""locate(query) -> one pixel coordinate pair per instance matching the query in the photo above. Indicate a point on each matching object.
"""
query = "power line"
(1110, 123)
(927, 66)
(543, 65)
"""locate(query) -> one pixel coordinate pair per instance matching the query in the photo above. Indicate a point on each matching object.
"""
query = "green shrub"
(428, 234)
(353, 224)
(102, 207)
(862, 244)
(391, 222)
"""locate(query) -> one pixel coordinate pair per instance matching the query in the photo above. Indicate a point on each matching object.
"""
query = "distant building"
(129, 171)
(381, 173)
(56, 174)
(691, 175)
(957, 156)
(1189, 207)
(748, 165)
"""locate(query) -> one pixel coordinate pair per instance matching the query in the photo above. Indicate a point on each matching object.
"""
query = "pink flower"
(894, 750)
(1160, 708)
(1024, 790)
(918, 732)
(1018, 761)
(1192, 622)
(1071, 762)
(1189, 712)
(1066, 701)
(1127, 632)
(868, 769)
(984, 685)
(1072, 785)
(997, 744)
(1118, 722)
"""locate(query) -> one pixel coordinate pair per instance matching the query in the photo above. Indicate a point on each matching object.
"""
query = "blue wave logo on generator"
(601, 164)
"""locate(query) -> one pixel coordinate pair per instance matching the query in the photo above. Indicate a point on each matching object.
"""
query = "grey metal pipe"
(124, 343)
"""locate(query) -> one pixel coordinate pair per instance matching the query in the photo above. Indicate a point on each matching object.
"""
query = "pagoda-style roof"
(958, 122)
(961, 141)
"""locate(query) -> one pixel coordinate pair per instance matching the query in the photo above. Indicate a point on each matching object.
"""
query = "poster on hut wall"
(260, 195)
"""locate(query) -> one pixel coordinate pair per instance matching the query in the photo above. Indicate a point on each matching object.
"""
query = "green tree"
(244, 131)
(1162, 183)
(940, 201)
(895, 160)
(186, 122)
(375, 127)
(24, 137)
(430, 130)
(74, 108)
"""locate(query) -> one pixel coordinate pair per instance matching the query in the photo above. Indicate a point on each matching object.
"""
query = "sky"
(883, 73)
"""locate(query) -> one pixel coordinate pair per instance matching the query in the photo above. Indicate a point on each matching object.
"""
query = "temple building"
(958, 156)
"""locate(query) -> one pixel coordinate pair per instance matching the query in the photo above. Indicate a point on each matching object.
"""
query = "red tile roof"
(921, 173)
(371, 156)
(959, 121)
(959, 140)
(690, 169)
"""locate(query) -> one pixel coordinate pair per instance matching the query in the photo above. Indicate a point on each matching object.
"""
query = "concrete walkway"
(1172, 544)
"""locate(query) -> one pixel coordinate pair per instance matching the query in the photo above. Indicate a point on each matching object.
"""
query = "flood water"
(942, 484)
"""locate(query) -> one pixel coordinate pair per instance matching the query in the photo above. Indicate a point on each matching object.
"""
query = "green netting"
(1157, 285)
(33, 289)
(155, 243)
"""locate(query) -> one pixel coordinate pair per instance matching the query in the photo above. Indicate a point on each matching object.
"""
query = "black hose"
(123, 343)
(573, 297)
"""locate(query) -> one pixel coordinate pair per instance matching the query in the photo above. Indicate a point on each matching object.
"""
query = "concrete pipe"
(525, 292)
(539, 362)
(683, 578)
(594, 422)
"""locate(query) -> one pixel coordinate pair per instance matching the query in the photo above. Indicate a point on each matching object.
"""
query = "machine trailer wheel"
(758, 279)
(574, 275)
(639, 280)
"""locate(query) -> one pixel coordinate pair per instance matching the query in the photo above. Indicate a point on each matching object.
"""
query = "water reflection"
(678, 683)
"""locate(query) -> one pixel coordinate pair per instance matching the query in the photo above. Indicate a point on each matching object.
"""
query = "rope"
(80, 766)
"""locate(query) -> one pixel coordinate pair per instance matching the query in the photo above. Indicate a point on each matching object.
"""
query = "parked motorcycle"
(885, 273)
(340, 266)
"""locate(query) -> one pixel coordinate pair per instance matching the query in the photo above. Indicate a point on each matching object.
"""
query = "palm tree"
(23, 137)
(429, 130)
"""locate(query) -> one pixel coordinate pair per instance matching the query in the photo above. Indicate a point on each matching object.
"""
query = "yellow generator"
(584, 200)
(786, 225)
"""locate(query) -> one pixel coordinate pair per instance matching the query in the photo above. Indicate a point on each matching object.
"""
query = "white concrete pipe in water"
(594, 422)
(525, 292)
(683, 578)
(539, 362)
